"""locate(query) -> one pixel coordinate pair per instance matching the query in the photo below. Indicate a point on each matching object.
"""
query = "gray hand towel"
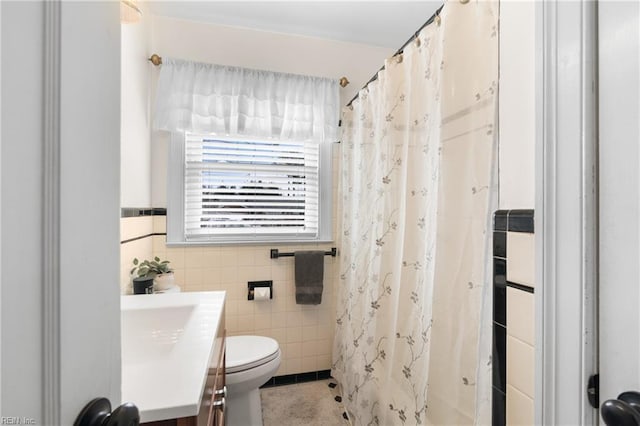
(309, 276)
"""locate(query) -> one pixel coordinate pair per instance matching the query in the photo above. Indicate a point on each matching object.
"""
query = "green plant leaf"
(157, 259)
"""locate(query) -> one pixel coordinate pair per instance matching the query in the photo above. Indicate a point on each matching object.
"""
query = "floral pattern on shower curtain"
(389, 189)
(417, 189)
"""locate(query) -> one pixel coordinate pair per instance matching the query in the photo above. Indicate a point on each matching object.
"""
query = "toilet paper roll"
(261, 293)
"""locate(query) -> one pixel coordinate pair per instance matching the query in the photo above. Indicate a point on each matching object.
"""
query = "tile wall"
(513, 317)
(135, 242)
(304, 332)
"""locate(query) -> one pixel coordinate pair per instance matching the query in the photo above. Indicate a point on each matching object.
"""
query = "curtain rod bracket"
(155, 59)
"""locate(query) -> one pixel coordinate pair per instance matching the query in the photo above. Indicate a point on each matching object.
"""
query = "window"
(224, 190)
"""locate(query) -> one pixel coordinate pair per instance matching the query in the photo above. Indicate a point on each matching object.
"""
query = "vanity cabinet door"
(216, 390)
(219, 396)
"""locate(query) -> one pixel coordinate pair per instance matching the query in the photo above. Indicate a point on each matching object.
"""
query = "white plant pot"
(164, 281)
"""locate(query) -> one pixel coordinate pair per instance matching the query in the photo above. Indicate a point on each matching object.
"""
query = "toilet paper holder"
(255, 284)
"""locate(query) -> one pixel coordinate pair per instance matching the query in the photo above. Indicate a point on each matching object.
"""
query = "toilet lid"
(244, 352)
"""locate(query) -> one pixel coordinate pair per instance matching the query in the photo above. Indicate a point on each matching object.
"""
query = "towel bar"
(276, 254)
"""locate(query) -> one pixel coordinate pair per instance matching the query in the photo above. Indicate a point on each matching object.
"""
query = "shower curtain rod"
(156, 60)
(436, 15)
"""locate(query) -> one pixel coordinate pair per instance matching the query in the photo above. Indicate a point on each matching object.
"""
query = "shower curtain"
(417, 188)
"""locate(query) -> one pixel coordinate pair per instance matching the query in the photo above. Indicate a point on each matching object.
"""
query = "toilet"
(250, 362)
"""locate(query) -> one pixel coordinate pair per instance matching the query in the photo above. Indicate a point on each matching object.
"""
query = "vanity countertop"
(167, 345)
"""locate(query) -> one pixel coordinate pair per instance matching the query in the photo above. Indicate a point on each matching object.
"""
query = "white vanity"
(173, 362)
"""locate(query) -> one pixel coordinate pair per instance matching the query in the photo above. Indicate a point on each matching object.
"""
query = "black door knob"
(619, 413)
(632, 398)
(98, 413)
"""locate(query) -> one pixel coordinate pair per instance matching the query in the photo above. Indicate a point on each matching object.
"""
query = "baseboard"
(290, 379)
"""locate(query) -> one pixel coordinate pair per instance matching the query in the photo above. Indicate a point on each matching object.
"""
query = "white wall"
(255, 49)
(135, 155)
(517, 104)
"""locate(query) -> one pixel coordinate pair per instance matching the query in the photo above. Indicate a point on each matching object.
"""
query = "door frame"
(60, 148)
(566, 210)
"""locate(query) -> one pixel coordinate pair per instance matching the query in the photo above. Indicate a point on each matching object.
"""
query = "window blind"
(243, 187)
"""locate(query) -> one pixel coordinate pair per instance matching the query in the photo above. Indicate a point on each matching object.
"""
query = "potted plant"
(155, 270)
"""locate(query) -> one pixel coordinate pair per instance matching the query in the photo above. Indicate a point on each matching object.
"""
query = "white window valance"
(232, 101)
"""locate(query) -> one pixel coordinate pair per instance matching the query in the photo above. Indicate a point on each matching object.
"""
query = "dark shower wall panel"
(513, 286)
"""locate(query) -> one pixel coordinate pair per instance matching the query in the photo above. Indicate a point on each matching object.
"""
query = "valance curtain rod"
(434, 17)
(156, 60)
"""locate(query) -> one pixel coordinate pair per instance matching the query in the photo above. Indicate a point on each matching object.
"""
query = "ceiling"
(378, 23)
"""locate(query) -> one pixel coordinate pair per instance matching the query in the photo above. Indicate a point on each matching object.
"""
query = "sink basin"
(153, 334)
(167, 342)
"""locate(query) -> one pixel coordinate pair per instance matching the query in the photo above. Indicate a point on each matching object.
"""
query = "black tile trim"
(512, 221)
(499, 355)
(290, 379)
(141, 237)
(522, 287)
(142, 211)
(521, 221)
(500, 220)
(498, 412)
(500, 244)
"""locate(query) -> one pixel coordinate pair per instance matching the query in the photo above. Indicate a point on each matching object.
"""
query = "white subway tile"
(520, 315)
(180, 281)
(159, 245)
(245, 307)
(291, 305)
(231, 323)
(280, 334)
(325, 346)
(294, 334)
(520, 366)
(282, 370)
(245, 257)
(309, 333)
(246, 323)
(323, 362)
(294, 366)
(309, 317)
(159, 224)
(228, 256)
(519, 408)
(309, 348)
(325, 331)
(262, 306)
(176, 256)
(193, 257)
(278, 319)
(293, 350)
(309, 363)
(210, 277)
(229, 275)
(262, 256)
(193, 278)
(133, 227)
(278, 303)
(294, 319)
(262, 321)
(521, 248)
(231, 307)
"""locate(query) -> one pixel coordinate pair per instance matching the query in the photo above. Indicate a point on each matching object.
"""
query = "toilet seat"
(247, 352)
